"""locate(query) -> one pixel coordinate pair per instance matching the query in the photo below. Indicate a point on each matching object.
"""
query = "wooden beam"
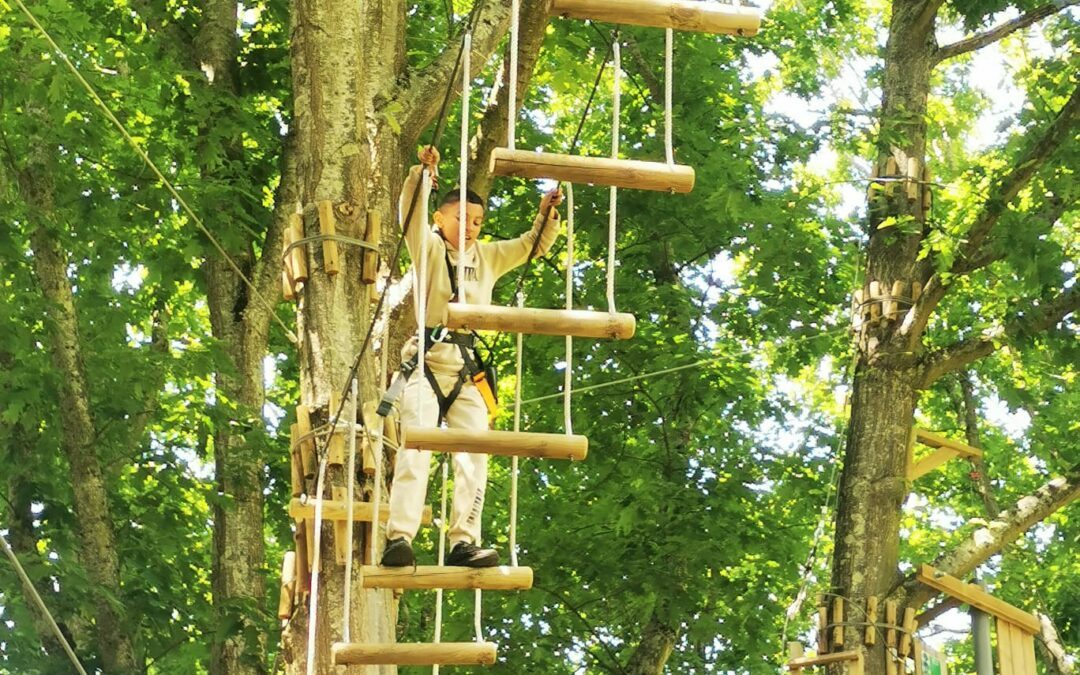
(977, 598)
(929, 463)
(508, 443)
(825, 659)
(727, 19)
(625, 173)
(437, 576)
(426, 654)
(576, 322)
(336, 510)
(934, 440)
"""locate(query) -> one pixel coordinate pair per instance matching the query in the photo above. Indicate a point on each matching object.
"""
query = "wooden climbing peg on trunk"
(369, 270)
(871, 619)
(328, 227)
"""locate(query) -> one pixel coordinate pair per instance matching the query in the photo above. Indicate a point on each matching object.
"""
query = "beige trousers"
(419, 407)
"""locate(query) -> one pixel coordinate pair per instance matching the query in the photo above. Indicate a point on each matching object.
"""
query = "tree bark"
(97, 538)
(657, 641)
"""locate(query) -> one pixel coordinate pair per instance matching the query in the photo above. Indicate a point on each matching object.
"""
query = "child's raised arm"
(514, 252)
(417, 230)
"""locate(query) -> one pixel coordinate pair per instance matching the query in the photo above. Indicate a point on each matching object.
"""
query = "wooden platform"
(977, 598)
(506, 443)
(455, 578)
(853, 658)
(707, 17)
(626, 173)
(944, 450)
(575, 322)
(335, 510)
(423, 654)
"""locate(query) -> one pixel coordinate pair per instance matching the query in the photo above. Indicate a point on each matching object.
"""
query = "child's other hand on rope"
(429, 157)
(551, 199)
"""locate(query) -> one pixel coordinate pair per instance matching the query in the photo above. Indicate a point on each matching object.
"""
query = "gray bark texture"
(97, 538)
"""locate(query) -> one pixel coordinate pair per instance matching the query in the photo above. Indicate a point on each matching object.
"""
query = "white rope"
(313, 607)
(568, 374)
(669, 149)
(514, 460)
(442, 554)
(421, 293)
(478, 607)
(41, 605)
(614, 193)
(464, 171)
(351, 482)
(511, 99)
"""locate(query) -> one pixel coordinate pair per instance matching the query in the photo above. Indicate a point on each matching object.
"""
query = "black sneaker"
(471, 555)
(398, 553)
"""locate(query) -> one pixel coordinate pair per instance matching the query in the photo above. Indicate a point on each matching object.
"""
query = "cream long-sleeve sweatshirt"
(484, 263)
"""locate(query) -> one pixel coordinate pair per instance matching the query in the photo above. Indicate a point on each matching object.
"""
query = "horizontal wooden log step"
(430, 577)
(335, 510)
(508, 443)
(575, 322)
(705, 17)
(423, 654)
(626, 173)
(935, 440)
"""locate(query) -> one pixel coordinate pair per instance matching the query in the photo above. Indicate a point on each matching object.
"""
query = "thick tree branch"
(491, 132)
(1000, 31)
(416, 103)
(1054, 655)
(1050, 212)
(1059, 131)
(1009, 526)
(960, 354)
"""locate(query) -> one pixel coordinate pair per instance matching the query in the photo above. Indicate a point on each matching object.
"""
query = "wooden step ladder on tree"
(613, 172)
(1016, 629)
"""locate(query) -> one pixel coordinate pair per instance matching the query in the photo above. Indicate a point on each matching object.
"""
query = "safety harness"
(482, 375)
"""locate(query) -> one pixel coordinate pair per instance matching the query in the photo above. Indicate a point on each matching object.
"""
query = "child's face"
(447, 220)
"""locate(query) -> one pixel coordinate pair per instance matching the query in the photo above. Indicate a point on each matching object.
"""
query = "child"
(457, 399)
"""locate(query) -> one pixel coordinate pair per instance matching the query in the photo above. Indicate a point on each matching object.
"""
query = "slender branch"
(1052, 211)
(418, 99)
(1059, 131)
(960, 354)
(1000, 31)
(991, 539)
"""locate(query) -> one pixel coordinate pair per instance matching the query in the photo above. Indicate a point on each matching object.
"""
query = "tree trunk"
(873, 482)
(97, 539)
(657, 640)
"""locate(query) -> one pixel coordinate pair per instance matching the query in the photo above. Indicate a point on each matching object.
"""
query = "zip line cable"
(41, 605)
(157, 172)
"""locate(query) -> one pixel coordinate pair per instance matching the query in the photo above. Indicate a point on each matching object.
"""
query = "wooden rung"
(977, 598)
(728, 19)
(508, 443)
(435, 576)
(328, 225)
(934, 440)
(333, 510)
(824, 659)
(428, 654)
(626, 173)
(576, 322)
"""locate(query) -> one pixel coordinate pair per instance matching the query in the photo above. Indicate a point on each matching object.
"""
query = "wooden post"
(328, 226)
(916, 655)
(911, 186)
(891, 174)
(927, 194)
(296, 469)
(287, 290)
(297, 256)
(303, 569)
(871, 619)
(795, 651)
(341, 533)
(288, 585)
(369, 270)
(307, 443)
(336, 449)
(892, 310)
(890, 637)
(838, 622)
(908, 632)
(875, 300)
(822, 627)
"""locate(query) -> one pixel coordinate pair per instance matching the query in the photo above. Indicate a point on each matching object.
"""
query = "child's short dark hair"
(454, 196)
